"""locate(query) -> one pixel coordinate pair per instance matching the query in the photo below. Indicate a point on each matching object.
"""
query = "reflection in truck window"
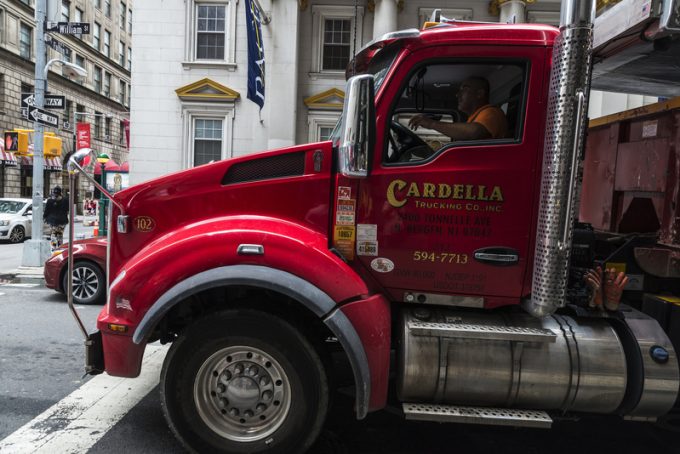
(448, 104)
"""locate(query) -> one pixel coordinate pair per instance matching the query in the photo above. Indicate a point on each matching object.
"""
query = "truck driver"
(485, 121)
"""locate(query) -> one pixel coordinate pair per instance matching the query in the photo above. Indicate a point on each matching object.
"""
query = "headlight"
(58, 252)
(6, 222)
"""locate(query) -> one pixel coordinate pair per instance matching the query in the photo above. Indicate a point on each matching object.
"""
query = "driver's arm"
(456, 131)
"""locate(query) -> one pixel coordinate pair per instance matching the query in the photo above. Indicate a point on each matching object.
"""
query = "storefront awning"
(7, 159)
(51, 164)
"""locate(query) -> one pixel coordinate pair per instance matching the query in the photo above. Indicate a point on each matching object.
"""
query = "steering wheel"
(405, 141)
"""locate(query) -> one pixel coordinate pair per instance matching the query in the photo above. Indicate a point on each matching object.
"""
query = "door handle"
(498, 256)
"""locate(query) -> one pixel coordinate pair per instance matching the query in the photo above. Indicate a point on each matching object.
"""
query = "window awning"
(7, 159)
(51, 164)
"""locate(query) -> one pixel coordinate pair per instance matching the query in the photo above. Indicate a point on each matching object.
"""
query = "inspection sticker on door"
(367, 239)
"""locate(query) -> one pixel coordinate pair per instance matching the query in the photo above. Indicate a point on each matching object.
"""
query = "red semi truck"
(447, 271)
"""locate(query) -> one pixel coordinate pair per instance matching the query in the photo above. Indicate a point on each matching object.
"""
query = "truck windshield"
(379, 66)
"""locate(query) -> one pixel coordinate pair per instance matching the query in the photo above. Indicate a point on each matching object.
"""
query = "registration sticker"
(344, 192)
(369, 248)
(367, 232)
(345, 212)
(344, 232)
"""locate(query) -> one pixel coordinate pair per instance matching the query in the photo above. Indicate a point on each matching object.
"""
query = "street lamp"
(37, 249)
(102, 159)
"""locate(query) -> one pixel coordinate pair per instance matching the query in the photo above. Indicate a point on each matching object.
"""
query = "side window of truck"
(445, 105)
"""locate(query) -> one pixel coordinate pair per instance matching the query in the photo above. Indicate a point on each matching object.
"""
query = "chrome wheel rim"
(242, 393)
(85, 283)
(16, 235)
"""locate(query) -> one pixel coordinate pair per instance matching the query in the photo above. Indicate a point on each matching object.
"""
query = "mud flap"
(94, 354)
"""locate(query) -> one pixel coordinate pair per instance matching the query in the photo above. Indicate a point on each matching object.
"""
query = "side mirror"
(357, 133)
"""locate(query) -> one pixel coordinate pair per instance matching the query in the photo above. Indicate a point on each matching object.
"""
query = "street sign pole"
(37, 249)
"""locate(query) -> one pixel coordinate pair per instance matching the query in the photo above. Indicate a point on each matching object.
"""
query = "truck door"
(447, 217)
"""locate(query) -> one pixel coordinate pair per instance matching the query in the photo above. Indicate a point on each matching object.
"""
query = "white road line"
(20, 285)
(78, 421)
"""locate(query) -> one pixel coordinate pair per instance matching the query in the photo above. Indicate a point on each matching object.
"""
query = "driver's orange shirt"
(493, 119)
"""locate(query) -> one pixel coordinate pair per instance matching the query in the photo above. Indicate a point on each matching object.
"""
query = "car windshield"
(10, 206)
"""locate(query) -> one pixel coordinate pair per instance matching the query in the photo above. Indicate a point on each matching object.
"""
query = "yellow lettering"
(413, 190)
(468, 192)
(428, 190)
(481, 193)
(395, 186)
(444, 191)
(458, 191)
(496, 194)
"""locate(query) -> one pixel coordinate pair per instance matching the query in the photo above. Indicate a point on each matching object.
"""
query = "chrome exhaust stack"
(564, 141)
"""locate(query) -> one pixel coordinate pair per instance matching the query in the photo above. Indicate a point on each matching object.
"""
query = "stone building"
(101, 99)
(189, 105)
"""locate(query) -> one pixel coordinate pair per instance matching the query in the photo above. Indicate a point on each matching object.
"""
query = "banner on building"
(255, 54)
(82, 136)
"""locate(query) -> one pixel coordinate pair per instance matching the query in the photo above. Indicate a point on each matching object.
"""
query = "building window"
(210, 31)
(95, 35)
(129, 21)
(334, 39)
(107, 84)
(98, 4)
(213, 32)
(129, 59)
(97, 79)
(25, 41)
(336, 44)
(65, 11)
(207, 140)
(122, 92)
(107, 128)
(123, 9)
(80, 61)
(78, 17)
(321, 124)
(121, 53)
(66, 119)
(121, 134)
(107, 8)
(26, 176)
(97, 124)
(107, 43)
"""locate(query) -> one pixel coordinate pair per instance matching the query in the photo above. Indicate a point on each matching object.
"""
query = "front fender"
(212, 244)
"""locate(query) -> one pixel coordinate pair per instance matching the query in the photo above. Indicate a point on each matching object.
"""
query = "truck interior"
(432, 90)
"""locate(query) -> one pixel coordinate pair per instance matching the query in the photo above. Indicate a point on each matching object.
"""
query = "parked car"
(15, 219)
(89, 270)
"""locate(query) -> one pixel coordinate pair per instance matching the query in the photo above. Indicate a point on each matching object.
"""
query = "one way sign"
(43, 117)
(51, 101)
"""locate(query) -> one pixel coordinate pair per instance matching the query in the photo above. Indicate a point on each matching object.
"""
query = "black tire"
(89, 286)
(244, 370)
(17, 235)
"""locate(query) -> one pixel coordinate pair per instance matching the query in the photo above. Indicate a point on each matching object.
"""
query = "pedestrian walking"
(56, 216)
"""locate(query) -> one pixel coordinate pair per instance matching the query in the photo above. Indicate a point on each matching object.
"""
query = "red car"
(89, 270)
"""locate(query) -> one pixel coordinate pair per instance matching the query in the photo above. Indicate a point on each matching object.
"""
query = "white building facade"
(189, 82)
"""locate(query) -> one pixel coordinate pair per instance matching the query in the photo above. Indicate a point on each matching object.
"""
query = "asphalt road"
(41, 364)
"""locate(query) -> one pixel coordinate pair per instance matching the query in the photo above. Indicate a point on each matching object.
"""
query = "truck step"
(466, 331)
(477, 415)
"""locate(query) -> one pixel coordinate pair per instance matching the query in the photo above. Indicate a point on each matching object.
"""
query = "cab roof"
(489, 33)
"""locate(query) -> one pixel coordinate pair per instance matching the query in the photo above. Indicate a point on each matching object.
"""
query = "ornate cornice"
(207, 90)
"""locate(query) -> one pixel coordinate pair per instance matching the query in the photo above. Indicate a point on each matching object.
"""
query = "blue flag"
(255, 54)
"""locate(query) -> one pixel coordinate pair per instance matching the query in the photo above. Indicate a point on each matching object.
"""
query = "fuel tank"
(566, 363)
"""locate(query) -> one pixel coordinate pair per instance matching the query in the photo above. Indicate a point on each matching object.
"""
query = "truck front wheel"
(244, 381)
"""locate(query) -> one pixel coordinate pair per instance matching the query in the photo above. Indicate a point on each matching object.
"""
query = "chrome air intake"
(567, 107)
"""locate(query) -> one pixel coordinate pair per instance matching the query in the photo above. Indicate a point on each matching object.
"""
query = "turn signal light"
(118, 328)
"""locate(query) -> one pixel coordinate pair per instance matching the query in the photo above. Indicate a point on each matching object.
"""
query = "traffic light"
(51, 146)
(16, 141)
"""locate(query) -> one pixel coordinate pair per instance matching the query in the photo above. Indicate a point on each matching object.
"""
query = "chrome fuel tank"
(514, 360)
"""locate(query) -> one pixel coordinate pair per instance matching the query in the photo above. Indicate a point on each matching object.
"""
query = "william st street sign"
(68, 28)
(43, 117)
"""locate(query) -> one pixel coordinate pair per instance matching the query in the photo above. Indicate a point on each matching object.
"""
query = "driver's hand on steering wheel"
(421, 120)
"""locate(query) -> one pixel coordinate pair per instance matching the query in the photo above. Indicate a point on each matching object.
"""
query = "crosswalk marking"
(78, 421)
(20, 285)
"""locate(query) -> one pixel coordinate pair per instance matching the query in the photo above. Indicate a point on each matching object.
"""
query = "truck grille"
(286, 165)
